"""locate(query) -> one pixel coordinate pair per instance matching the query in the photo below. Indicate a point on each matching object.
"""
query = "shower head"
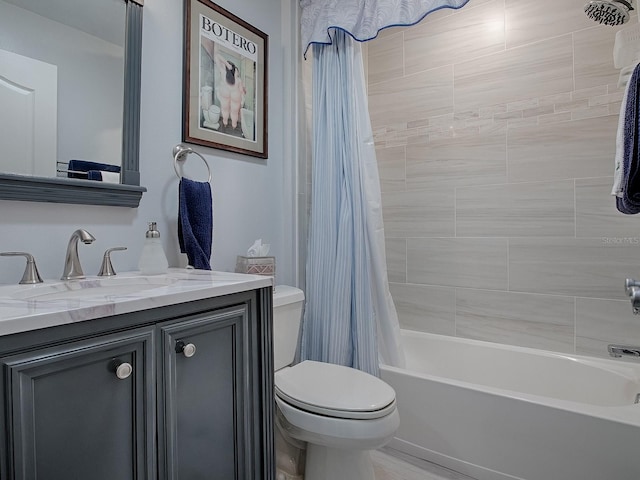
(608, 12)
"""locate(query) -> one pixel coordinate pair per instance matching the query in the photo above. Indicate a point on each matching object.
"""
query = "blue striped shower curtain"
(350, 318)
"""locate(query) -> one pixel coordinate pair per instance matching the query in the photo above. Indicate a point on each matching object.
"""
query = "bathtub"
(500, 412)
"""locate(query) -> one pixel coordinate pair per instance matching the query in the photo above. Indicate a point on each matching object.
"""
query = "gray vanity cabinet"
(180, 392)
(82, 410)
(204, 396)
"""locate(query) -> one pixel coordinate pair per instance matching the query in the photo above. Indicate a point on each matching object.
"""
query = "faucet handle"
(106, 269)
(629, 285)
(31, 274)
(633, 291)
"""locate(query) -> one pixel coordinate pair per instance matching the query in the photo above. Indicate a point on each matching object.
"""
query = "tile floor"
(391, 464)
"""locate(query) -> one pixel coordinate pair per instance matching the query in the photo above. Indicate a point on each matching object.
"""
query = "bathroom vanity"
(163, 377)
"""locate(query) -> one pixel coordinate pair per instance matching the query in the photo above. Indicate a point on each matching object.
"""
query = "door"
(28, 117)
(83, 410)
(205, 379)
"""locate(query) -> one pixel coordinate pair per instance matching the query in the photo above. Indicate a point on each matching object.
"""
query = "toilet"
(340, 412)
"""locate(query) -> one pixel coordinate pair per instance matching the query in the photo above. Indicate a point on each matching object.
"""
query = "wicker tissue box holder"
(256, 265)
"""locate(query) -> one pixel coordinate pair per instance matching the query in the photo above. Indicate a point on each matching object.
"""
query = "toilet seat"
(334, 391)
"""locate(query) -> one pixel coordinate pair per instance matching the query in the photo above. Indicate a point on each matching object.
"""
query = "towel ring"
(180, 153)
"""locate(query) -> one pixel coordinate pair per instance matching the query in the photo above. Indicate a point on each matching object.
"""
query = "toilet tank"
(287, 317)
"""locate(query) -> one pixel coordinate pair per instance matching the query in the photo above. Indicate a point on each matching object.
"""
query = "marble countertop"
(55, 302)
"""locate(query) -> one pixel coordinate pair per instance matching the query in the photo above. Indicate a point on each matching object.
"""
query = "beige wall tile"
(494, 128)
(527, 159)
(385, 33)
(510, 115)
(536, 321)
(425, 308)
(593, 57)
(385, 59)
(522, 122)
(554, 118)
(574, 104)
(472, 160)
(590, 92)
(555, 98)
(607, 99)
(391, 168)
(491, 110)
(591, 112)
(537, 111)
(532, 21)
(523, 104)
(396, 253)
(465, 35)
(412, 98)
(614, 108)
(582, 148)
(419, 213)
(597, 216)
(601, 322)
(439, 16)
(514, 210)
(535, 70)
(571, 266)
(458, 262)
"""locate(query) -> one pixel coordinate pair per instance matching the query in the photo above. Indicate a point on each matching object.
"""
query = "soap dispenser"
(153, 261)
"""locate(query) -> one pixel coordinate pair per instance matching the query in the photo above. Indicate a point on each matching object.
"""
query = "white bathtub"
(499, 412)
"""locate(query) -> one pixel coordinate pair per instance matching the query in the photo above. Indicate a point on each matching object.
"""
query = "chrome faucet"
(623, 350)
(72, 268)
(632, 288)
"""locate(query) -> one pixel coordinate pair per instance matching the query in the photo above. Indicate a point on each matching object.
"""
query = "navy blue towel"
(195, 222)
(629, 203)
(94, 175)
(102, 176)
(76, 166)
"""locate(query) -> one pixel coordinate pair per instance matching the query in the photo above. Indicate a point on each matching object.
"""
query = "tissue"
(258, 249)
(257, 262)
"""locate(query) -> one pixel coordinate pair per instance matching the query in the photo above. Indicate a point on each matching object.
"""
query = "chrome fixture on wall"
(608, 12)
(180, 153)
(623, 350)
(632, 287)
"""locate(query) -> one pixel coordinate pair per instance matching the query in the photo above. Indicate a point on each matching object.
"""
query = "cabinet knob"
(187, 349)
(123, 369)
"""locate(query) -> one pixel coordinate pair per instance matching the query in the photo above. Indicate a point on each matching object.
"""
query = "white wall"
(252, 198)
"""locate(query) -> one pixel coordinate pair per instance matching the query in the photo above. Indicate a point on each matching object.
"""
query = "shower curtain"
(350, 318)
(362, 19)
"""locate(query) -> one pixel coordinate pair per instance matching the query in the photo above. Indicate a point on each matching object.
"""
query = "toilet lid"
(334, 390)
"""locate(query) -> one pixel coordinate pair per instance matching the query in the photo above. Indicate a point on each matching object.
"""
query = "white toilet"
(340, 412)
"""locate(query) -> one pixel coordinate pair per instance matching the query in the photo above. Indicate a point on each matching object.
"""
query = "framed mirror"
(74, 103)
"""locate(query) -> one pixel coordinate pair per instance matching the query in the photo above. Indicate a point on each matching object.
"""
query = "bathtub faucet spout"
(623, 350)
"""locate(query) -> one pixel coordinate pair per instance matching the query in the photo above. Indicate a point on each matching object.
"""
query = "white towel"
(618, 163)
(110, 177)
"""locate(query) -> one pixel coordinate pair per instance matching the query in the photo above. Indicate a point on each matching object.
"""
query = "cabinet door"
(73, 418)
(203, 396)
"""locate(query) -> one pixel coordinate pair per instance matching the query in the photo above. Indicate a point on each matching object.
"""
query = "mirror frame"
(129, 192)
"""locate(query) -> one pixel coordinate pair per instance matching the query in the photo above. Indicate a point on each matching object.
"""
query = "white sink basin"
(78, 289)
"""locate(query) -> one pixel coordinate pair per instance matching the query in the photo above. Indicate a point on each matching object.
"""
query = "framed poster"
(225, 81)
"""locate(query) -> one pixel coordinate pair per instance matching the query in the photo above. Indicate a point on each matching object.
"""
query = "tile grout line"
(575, 325)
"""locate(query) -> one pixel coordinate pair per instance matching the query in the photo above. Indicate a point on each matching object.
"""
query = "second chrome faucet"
(72, 267)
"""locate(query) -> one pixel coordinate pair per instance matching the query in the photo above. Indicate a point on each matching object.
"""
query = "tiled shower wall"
(495, 128)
